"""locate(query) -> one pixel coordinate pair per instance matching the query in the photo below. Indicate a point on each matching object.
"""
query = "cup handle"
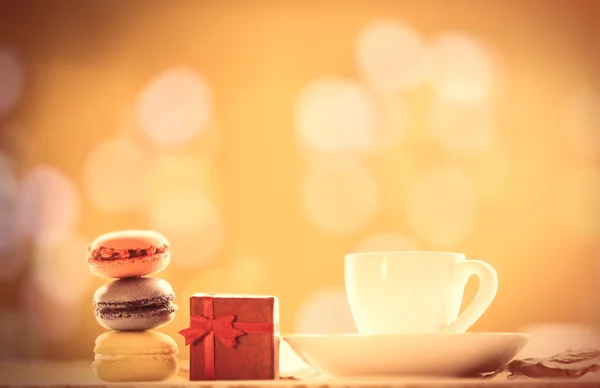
(488, 286)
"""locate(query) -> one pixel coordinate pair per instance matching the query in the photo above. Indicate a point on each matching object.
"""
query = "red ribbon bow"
(224, 327)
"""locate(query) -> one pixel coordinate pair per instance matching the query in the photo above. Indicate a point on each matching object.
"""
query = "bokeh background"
(266, 139)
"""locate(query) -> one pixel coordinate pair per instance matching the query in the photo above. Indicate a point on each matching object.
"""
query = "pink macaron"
(128, 253)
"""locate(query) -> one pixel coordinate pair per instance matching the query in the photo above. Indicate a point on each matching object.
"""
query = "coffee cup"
(415, 292)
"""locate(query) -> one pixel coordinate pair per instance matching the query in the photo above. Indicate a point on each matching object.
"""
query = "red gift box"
(233, 337)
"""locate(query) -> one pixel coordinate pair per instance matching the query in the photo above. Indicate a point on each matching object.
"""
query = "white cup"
(415, 292)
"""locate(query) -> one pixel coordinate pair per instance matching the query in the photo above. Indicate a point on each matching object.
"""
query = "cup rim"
(403, 253)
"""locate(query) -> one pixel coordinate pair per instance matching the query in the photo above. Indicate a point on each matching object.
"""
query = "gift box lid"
(245, 296)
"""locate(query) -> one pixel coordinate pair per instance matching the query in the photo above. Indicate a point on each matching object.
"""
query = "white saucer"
(432, 355)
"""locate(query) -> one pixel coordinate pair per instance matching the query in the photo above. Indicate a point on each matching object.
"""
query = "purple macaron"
(135, 304)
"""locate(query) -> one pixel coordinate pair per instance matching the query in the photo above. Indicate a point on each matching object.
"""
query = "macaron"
(128, 253)
(135, 304)
(122, 356)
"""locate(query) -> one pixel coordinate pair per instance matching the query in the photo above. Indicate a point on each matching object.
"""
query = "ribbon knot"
(222, 327)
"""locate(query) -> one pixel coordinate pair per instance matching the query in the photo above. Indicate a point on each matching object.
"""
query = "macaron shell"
(129, 239)
(128, 368)
(136, 323)
(133, 289)
(119, 343)
(130, 267)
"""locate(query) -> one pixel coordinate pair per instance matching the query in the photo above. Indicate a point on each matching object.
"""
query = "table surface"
(79, 374)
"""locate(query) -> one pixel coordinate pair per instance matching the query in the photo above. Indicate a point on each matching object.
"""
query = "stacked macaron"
(132, 305)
